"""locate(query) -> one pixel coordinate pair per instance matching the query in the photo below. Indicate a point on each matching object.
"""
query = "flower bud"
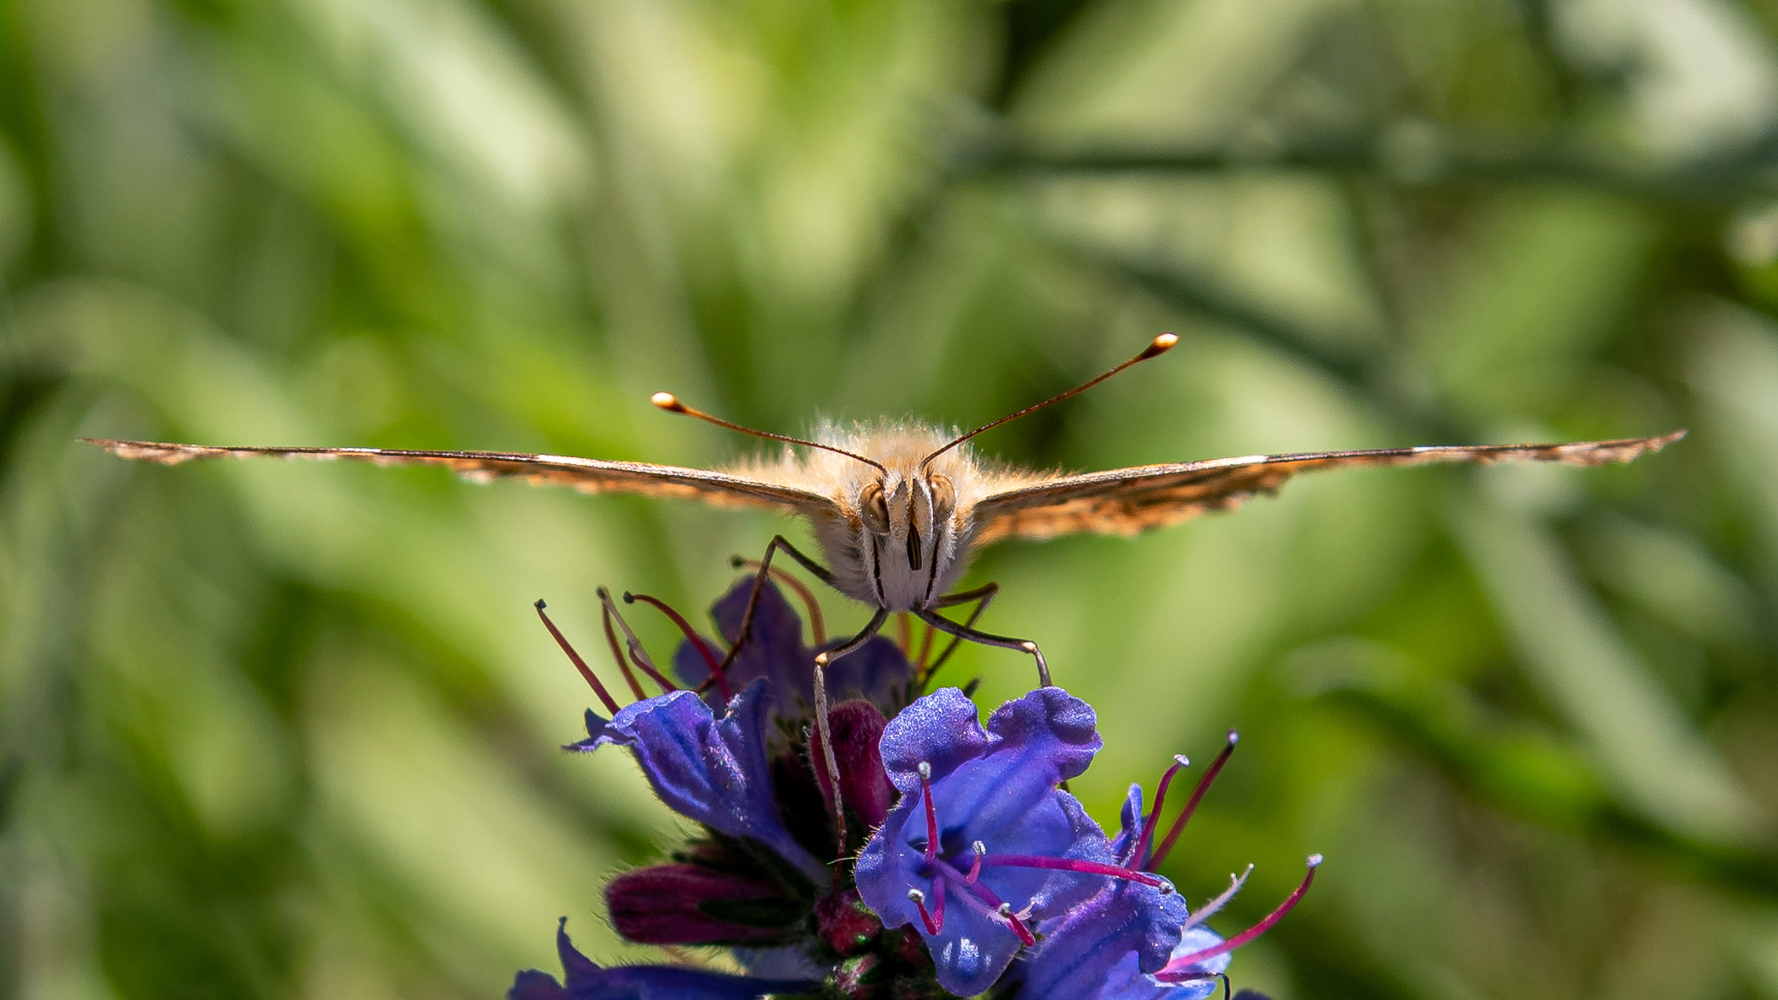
(685, 904)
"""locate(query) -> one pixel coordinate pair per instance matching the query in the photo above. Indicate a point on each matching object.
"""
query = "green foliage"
(278, 730)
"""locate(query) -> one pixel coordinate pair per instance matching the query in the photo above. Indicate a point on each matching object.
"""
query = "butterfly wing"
(1126, 501)
(584, 474)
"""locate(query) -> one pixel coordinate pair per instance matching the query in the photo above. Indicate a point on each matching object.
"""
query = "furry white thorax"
(875, 567)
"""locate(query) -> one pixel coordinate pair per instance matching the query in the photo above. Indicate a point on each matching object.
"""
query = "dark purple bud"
(864, 786)
(846, 924)
(690, 904)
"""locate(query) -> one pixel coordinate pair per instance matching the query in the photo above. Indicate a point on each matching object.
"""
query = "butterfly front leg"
(982, 596)
(962, 631)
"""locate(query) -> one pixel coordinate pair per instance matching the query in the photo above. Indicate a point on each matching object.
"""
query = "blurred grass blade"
(1643, 744)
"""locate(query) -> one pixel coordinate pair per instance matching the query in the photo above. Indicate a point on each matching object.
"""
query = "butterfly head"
(904, 523)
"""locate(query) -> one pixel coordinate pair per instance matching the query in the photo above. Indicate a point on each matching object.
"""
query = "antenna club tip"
(666, 401)
(1315, 861)
(1159, 346)
(629, 598)
(540, 605)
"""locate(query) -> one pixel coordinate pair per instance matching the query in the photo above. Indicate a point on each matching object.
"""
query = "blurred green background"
(282, 730)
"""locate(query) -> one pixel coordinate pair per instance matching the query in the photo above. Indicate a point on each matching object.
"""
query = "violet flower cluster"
(917, 854)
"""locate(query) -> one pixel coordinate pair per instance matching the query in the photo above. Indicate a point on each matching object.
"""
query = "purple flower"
(586, 981)
(715, 771)
(985, 834)
(1102, 949)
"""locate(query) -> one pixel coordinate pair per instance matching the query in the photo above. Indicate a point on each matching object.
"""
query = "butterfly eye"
(873, 509)
(944, 497)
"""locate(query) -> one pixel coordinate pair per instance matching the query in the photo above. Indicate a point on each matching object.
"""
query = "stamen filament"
(1191, 804)
(919, 900)
(1140, 856)
(981, 894)
(618, 654)
(1073, 865)
(975, 867)
(1175, 970)
(710, 660)
(925, 771)
(579, 664)
(638, 655)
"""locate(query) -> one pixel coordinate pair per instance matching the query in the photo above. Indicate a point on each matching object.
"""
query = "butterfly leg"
(829, 761)
(983, 596)
(1004, 642)
(759, 581)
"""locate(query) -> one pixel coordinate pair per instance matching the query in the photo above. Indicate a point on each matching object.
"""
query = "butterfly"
(897, 509)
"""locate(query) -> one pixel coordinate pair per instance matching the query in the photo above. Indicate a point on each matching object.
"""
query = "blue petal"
(997, 786)
(1106, 944)
(1124, 844)
(587, 981)
(942, 729)
(710, 770)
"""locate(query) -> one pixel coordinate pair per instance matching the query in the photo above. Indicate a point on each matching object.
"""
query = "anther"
(579, 664)
(925, 770)
(975, 866)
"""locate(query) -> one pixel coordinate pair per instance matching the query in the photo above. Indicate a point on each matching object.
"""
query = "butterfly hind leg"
(1004, 642)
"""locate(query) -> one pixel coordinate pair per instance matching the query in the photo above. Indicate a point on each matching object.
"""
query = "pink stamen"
(579, 664)
(1175, 970)
(975, 867)
(985, 898)
(1140, 857)
(617, 652)
(638, 655)
(1073, 865)
(1191, 804)
(711, 662)
(925, 772)
(919, 900)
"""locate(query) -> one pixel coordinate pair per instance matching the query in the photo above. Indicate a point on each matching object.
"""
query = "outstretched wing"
(1126, 501)
(584, 474)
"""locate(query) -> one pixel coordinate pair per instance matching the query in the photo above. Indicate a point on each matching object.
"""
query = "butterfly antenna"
(1159, 346)
(669, 402)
